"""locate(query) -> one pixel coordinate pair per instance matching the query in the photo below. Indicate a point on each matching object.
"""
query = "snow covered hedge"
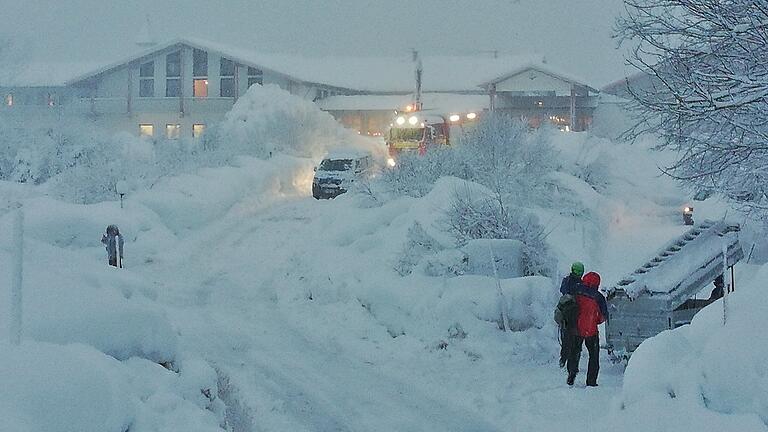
(81, 163)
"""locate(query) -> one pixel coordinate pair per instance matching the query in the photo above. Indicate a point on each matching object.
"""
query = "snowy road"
(242, 304)
(245, 332)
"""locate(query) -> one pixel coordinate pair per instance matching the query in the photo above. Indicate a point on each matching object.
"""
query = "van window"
(336, 165)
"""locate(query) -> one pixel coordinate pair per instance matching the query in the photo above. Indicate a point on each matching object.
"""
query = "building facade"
(178, 89)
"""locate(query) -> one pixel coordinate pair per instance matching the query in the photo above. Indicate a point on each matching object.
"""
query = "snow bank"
(62, 388)
(705, 375)
(189, 201)
(75, 388)
(269, 120)
(467, 299)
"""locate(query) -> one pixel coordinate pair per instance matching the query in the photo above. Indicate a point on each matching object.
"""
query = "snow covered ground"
(273, 311)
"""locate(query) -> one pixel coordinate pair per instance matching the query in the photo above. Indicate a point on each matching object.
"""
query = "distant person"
(113, 242)
(718, 290)
(566, 308)
(593, 310)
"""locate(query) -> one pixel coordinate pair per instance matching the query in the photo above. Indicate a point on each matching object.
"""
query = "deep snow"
(292, 312)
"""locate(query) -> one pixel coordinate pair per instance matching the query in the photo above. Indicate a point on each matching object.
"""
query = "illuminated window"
(146, 130)
(172, 131)
(147, 79)
(198, 130)
(9, 100)
(539, 103)
(200, 87)
(255, 76)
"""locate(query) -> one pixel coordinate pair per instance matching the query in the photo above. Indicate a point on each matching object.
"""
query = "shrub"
(469, 218)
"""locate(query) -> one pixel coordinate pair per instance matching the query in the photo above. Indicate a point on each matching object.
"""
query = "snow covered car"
(338, 171)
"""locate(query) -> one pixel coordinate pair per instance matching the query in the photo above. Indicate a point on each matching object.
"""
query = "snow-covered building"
(178, 88)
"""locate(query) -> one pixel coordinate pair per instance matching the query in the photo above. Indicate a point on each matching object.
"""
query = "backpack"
(567, 311)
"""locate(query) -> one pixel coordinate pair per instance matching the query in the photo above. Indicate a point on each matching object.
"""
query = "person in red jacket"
(593, 311)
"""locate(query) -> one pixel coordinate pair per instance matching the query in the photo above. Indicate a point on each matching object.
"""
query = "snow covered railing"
(686, 264)
(661, 294)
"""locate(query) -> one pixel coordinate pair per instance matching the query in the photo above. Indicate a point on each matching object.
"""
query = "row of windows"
(324, 93)
(172, 130)
(200, 73)
(48, 99)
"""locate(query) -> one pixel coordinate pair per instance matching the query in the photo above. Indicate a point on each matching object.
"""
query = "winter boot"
(571, 379)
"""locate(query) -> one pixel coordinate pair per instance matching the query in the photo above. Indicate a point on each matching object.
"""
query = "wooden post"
(92, 91)
(573, 108)
(129, 99)
(18, 272)
(181, 82)
(237, 82)
(727, 287)
(492, 94)
(733, 280)
(499, 291)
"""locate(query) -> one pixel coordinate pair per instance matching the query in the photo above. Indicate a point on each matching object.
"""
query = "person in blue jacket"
(569, 285)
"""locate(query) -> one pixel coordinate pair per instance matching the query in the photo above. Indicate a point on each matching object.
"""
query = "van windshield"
(336, 165)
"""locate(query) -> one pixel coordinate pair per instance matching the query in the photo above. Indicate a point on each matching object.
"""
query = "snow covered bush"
(499, 153)
(419, 244)
(83, 164)
(415, 175)
(472, 217)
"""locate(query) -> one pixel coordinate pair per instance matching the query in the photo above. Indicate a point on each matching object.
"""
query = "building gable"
(536, 80)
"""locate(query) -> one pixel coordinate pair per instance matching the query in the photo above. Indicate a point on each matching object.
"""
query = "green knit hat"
(577, 268)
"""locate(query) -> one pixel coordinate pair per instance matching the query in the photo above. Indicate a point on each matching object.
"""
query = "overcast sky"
(574, 35)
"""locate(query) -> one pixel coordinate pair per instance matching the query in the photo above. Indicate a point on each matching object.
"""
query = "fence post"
(18, 272)
(500, 293)
(726, 287)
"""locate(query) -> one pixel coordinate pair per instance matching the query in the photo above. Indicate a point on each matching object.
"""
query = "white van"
(338, 170)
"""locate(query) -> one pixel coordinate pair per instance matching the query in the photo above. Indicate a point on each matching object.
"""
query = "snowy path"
(228, 310)
(322, 389)
(250, 338)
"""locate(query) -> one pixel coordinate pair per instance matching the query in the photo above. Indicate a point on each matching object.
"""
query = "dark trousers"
(593, 347)
(566, 341)
(113, 261)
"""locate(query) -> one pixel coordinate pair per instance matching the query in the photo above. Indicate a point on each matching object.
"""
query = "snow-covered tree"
(708, 96)
(499, 153)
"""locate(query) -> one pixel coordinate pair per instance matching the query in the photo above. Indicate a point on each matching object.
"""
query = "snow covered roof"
(49, 74)
(445, 102)
(543, 68)
(366, 74)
